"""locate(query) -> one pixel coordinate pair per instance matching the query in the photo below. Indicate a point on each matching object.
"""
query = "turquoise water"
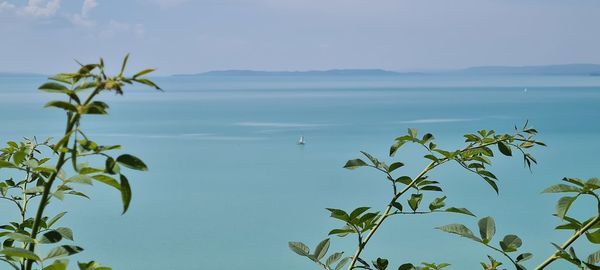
(228, 186)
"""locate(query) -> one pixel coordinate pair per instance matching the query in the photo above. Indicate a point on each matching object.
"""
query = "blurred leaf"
(504, 148)
(19, 253)
(125, 193)
(64, 250)
(487, 229)
(62, 105)
(299, 248)
(459, 229)
(355, 163)
(510, 243)
(563, 205)
(321, 249)
(463, 211)
(132, 162)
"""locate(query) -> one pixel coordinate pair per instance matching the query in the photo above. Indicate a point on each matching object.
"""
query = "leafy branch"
(43, 182)
(475, 157)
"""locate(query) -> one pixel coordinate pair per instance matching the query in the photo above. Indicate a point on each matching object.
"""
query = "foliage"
(409, 196)
(42, 172)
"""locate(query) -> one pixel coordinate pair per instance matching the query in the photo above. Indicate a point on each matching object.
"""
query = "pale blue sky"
(186, 36)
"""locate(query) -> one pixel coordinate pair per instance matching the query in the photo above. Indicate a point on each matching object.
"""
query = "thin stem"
(388, 209)
(72, 120)
(386, 213)
(569, 241)
(577, 234)
(502, 252)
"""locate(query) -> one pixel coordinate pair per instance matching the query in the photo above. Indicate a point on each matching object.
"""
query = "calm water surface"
(228, 186)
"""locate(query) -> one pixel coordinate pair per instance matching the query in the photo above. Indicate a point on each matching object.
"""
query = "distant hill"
(570, 69)
(332, 72)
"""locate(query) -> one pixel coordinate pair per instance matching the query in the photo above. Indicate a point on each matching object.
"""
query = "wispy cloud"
(82, 18)
(6, 6)
(40, 8)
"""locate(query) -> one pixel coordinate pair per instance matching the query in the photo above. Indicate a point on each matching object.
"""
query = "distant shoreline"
(546, 70)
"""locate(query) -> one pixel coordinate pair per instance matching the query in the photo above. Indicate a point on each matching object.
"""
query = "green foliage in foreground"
(37, 173)
(416, 195)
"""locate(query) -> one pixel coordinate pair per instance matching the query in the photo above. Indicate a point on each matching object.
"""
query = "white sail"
(301, 141)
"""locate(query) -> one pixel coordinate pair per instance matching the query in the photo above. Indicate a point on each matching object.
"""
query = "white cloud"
(82, 19)
(4, 6)
(88, 5)
(40, 8)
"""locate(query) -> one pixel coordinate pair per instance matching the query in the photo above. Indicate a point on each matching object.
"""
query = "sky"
(190, 36)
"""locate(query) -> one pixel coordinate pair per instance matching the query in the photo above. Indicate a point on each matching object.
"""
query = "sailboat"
(301, 140)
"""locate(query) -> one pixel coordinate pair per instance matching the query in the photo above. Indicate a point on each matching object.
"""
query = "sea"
(228, 186)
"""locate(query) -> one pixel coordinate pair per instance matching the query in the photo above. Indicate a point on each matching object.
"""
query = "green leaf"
(62, 105)
(563, 205)
(357, 212)
(492, 183)
(147, 82)
(561, 188)
(124, 65)
(85, 85)
(504, 148)
(381, 264)
(107, 180)
(19, 253)
(342, 263)
(510, 243)
(463, 211)
(6, 164)
(132, 162)
(459, 229)
(397, 205)
(437, 203)
(412, 132)
(407, 266)
(64, 250)
(593, 237)
(333, 258)
(321, 249)
(65, 232)
(19, 156)
(80, 179)
(55, 219)
(355, 163)
(524, 257)
(50, 237)
(395, 166)
(143, 72)
(299, 248)
(19, 237)
(53, 87)
(394, 148)
(125, 193)
(339, 214)
(57, 265)
(112, 167)
(341, 232)
(487, 229)
(414, 201)
(594, 257)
